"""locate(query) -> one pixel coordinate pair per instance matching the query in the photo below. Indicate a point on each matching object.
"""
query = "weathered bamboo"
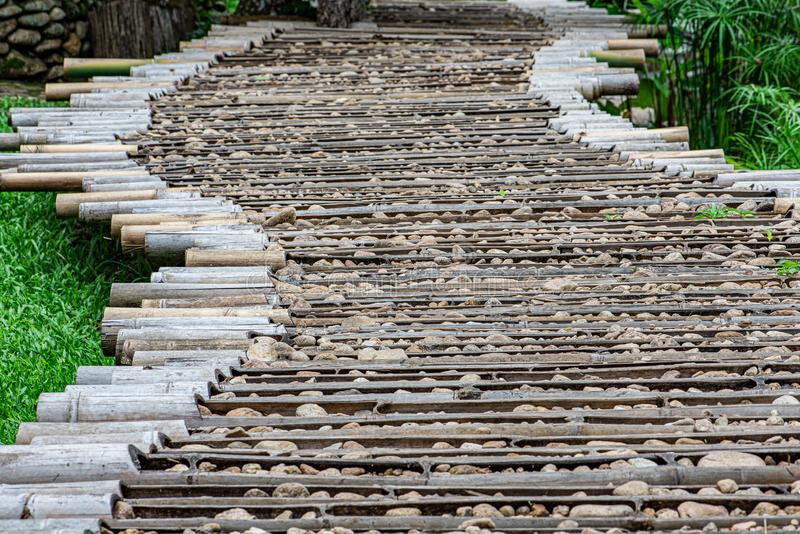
(26, 464)
(118, 221)
(83, 147)
(132, 294)
(64, 90)
(232, 258)
(57, 181)
(650, 46)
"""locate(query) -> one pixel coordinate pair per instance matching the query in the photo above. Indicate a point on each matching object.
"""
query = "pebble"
(310, 410)
(290, 490)
(404, 512)
(276, 445)
(726, 485)
(243, 412)
(601, 510)
(786, 400)
(486, 510)
(235, 514)
(730, 459)
(691, 510)
(634, 487)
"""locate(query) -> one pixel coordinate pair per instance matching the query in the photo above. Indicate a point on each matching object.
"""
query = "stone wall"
(36, 35)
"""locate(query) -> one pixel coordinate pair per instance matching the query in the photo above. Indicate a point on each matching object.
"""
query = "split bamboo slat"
(411, 278)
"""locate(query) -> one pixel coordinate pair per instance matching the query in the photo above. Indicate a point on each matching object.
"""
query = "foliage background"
(730, 70)
(54, 282)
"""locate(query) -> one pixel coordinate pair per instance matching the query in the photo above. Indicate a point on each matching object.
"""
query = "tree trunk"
(339, 13)
(139, 29)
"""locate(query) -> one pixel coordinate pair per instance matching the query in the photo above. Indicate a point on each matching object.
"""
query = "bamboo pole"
(650, 46)
(633, 58)
(64, 90)
(67, 204)
(278, 315)
(79, 67)
(81, 147)
(56, 181)
(121, 220)
(235, 258)
(132, 237)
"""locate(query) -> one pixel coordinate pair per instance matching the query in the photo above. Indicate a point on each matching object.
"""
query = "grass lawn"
(54, 281)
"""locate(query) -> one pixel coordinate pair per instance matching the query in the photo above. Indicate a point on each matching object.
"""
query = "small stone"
(691, 510)
(57, 14)
(480, 522)
(48, 45)
(123, 510)
(81, 29)
(310, 410)
(304, 340)
(72, 46)
(255, 492)
(7, 26)
(243, 412)
(17, 65)
(486, 510)
(786, 400)
(730, 459)
(601, 510)
(766, 508)
(286, 215)
(235, 514)
(178, 468)
(632, 488)
(291, 490)
(56, 71)
(726, 485)
(34, 20)
(404, 512)
(275, 446)
(54, 30)
(559, 284)
(264, 352)
(9, 11)
(23, 37)
(384, 355)
(38, 5)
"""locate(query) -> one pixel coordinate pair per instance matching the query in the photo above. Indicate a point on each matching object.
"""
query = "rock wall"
(36, 35)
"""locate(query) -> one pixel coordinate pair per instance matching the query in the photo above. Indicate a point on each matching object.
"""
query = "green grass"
(54, 282)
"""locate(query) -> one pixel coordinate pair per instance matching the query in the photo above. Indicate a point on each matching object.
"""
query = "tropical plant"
(721, 211)
(788, 267)
(729, 70)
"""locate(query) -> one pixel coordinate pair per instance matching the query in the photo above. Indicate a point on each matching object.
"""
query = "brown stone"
(72, 45)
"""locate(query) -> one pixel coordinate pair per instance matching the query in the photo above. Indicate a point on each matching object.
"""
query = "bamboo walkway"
(412, 280)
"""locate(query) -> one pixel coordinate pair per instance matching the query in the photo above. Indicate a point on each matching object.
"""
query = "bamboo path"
(411, 279)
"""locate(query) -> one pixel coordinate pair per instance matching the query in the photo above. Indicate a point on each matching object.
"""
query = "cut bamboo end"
(633, 58)
(650, 46)
(67, 204)
(78, 67)
(676, 134)
(118, 221)
(235, 258)
(82, 147)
